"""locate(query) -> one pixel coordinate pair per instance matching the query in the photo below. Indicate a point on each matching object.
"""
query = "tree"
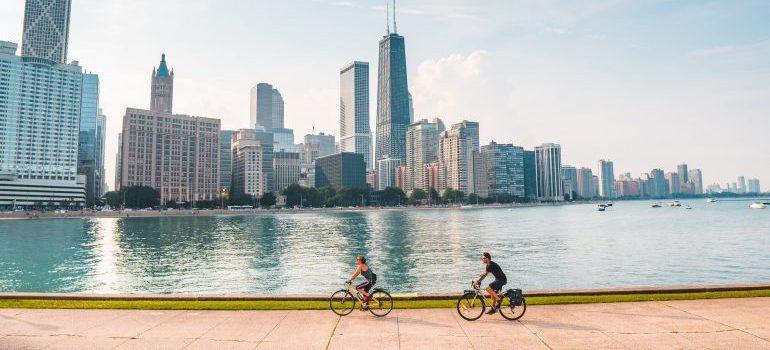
(434, 196)
(241, 199)
(140, 197)
(268, 200)
(114, 199)
(453, 196)
(295, 196)
(473, 198)
(205, 204)
(418, 195)
(392, 196)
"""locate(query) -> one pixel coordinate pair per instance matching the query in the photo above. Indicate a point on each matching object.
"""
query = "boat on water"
(601, 208)
(687, 207)
(609, 204)
(711, 200)
(655, 205)
(758, 205)
(675, 204)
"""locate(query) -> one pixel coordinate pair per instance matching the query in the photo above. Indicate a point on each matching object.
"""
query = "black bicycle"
(472, 304)
(343, 301)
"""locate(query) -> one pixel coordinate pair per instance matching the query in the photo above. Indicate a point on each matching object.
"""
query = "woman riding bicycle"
(371, 278)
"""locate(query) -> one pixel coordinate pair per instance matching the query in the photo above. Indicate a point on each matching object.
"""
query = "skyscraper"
(90, 146)
(570, 176)
(341, 170)
(585, 183)
(674, 183)
(606, 179)
(46, 30)
(40, 103)
(456, 148)
(501, 170)
(386, 172)
(741, 184)
(317, 146)
(180, 159)
(684, 177)
(696, 179)
(530, 175)
(252, 159)
(162, 89)
(355, 134)
(286, 167)
(393, 106)
(549, 183)
(266, 108)
(225, 159)
(421, 149)
(754, 186)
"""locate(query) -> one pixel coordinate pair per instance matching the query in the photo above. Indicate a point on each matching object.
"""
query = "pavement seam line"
(536, 335)
(715, 321)
(463, 329)
(274, 327)
(398, 332)
(329, 341)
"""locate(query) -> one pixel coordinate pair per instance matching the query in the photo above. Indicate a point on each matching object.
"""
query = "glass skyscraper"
(355, 134)
(393, 106)
(91, 138)
(266, 107)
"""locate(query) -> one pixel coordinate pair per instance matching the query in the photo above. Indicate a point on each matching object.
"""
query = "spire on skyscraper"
(163, 68)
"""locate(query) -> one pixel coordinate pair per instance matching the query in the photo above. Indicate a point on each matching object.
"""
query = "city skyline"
(731, 153)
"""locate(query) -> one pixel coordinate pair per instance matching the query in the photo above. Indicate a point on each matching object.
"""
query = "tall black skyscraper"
(393, 107)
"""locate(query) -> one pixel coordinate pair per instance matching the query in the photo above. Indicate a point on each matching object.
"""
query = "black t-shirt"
(496, 271)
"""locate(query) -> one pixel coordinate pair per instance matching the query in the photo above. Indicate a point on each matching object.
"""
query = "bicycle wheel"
(471, 306)
(512, 312)
(342, 302)
(381, 303)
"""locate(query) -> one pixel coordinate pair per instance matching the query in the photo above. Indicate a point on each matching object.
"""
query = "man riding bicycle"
(497, 284)
(371, 278)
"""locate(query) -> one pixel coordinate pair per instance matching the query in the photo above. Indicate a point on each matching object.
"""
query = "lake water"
(574, 246)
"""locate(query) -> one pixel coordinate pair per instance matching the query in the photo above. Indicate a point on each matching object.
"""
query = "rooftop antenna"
(395, 27)
(387, 16)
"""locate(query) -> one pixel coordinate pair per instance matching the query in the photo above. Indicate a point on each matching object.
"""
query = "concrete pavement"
(695, 324)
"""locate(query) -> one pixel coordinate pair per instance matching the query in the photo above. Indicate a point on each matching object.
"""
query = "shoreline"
(32, 215)
(639, 290)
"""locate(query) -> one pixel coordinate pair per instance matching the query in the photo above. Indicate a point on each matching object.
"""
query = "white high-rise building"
(422, 148)
(456, 148)
(548, 168)
(386, 172)
(46, 30)
(696, 180)
(40, 104)
(252, 173)
(741, 184)
(355, 134)
(606, 179)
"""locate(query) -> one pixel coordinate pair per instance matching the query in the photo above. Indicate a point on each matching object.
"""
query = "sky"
(645, 83)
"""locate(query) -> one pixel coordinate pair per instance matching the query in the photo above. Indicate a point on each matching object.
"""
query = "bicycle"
(343, 301)
(472, 304)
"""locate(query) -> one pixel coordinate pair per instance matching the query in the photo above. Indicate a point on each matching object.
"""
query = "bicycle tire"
(342, 302)
(511, 311)
(468, 303)
(381, 303)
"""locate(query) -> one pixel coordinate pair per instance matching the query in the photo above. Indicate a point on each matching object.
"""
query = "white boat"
(675, 204)
(687, 207)
(711, 200)
(655, 205)
(758, 206)
(601, 208)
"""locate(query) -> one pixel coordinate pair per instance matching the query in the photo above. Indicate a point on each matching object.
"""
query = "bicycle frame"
(357, 294)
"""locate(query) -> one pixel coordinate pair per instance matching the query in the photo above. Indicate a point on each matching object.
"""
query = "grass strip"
(322, 305)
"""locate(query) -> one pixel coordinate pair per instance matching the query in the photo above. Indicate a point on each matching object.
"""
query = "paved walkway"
(698, 324)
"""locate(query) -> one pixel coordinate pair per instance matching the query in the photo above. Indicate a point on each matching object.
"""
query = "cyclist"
(371, 278)
(497, 284)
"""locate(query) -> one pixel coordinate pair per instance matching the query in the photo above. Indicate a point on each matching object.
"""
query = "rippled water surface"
(410, 250)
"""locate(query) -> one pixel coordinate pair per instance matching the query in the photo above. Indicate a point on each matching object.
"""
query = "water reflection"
(410, 250)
